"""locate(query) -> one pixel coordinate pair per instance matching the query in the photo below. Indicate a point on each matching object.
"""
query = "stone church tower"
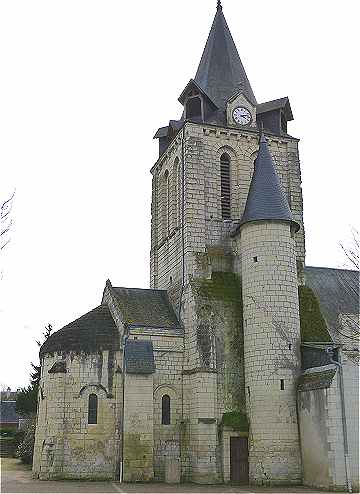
(215, 224)
(195, 378)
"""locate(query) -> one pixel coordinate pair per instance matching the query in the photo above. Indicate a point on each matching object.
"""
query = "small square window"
(255, 259)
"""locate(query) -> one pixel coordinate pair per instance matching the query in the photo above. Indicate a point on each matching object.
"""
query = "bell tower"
(202, 190)
(206, 160)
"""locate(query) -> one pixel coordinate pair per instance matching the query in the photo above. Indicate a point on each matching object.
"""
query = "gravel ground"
(16, 477)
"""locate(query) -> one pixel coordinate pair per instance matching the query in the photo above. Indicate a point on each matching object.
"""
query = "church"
(233, 366)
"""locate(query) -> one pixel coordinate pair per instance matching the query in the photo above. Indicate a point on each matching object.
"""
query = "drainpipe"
(330, 352)
(125, 337)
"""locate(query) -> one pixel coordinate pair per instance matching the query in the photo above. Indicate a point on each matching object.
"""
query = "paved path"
(15, 477)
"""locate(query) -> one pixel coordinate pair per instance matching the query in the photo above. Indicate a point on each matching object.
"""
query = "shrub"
(7, 431)
(25, 449)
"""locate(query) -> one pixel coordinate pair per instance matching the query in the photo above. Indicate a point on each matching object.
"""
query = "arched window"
(93, 409)
(165, 410)
(167, 203)
(225, 186)
(165, 210)
(176, 201)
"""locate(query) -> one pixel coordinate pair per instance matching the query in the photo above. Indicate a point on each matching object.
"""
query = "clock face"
(242, 115)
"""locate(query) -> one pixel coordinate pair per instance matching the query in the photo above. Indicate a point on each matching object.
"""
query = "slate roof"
(337, 291)
(275, 105)
(8, 414)
(93, 331)
(221, 73)
(161, 132)
(146, 308)
(319, 378)
(266, 199)
(139, 357)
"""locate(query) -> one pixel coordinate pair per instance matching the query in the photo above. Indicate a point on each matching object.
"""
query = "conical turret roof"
(220, 73)
(266, 199)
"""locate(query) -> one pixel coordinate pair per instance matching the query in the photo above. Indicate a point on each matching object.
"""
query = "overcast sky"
(84, 86)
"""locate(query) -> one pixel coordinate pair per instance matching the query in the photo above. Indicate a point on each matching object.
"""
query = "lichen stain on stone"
(202, 261)
(134, 448)
(99, 365)
(203, 338)
(220, 324)
(111, 359)
(138, 457)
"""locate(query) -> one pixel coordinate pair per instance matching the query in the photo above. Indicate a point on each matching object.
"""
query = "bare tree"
(348, 324)
(5, 221)
(352, 252)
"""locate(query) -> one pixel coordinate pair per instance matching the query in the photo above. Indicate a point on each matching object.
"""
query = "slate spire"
(220, 73)
(266, 199)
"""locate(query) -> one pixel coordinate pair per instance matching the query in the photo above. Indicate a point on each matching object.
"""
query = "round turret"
(271, 327)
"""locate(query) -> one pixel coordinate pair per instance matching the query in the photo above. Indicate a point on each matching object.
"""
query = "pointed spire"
(266, 199)
(220, 73)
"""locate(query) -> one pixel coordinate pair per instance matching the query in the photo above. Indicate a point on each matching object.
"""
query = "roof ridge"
(105, 306)
(333, 269)
(144, 289)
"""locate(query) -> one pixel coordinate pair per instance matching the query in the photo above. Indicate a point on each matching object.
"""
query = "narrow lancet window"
(225, 186)
(165, 210)
(93, 409)
(176, 181)
(165, 410)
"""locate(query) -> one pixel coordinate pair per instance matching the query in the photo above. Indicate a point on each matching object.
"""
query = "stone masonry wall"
(203, 225)
(138, 428)
(166, 238)
(271, 351)
(213, 369)
(204, 147)
(320, 420)
(66, 446)
(167, 380)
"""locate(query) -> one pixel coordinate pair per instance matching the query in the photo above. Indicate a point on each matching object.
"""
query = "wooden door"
(239, 464)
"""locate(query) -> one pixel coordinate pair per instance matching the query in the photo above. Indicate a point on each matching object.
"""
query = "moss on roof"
(89, 333)
(312, 323)
(146, 307)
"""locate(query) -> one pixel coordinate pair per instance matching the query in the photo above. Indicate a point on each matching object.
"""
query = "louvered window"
(165, 410)
(93, 409)
(225, 186)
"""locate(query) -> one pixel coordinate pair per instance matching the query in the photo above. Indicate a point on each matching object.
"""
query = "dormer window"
(193, 107)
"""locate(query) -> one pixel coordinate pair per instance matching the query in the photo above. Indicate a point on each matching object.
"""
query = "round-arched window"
(225, 186)
(165, 410)
(92, 409)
